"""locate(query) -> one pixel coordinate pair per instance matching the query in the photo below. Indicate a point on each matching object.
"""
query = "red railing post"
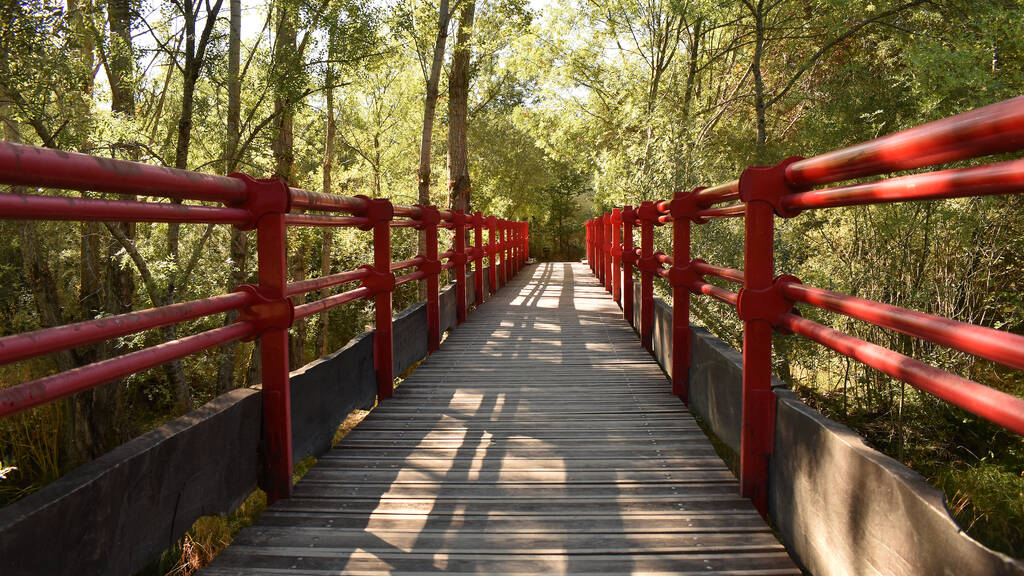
(760, 188)
(269, 201)
(589, 240)
(648, 215)
(519, 247)
(628, 260)
(617, 256)
(459, 258)
(586, 242)
(492, 252)
(505, 276)
(599, 248)
(478, 257)
(682, 275)
(607, 248)
(513, 247)
(430, 217)
(526, 239)
(381, 282)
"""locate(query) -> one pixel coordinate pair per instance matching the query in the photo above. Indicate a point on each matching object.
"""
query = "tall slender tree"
(239, 239)
(458, 101)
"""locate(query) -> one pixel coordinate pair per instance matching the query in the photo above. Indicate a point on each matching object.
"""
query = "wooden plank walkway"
(541, 439)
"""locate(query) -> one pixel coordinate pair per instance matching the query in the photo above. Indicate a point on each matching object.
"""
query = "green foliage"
(574, 109)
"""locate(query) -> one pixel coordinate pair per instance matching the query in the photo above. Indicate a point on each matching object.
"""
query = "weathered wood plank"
(541, 439)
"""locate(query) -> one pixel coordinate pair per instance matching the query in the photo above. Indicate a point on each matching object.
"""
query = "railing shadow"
(473, 416)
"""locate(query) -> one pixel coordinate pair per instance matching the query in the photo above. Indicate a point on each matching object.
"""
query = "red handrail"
(766, 301)
(266, 310)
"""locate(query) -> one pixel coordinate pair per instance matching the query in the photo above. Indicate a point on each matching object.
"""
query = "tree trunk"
(234, 86)
(105, 287)
(120, 58)
(228, 352)
(284, 65)
(195, 53)
(327, 232)
(760, 106)
(297, 341)
(239, 239)
(458, 97)
(692, 53)
(429, 112)
(284, 153)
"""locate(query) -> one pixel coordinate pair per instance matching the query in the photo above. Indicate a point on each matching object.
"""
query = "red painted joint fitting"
(648, 211)
(377, 210)
(377, 281)
(769, 184)
(649, 264)
(477, 219)
(628, 215)
(685, 276)
(617, 251)
(629, 257)
(429, 266)
(266, 312)
(766, 304)
(459, 259)
(684, 206)
(429, 216)
(458, 218)
(266, 196)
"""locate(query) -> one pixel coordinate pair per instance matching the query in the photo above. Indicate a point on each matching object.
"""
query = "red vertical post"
(513, 248)
(526, 240)
(648, 215)
(590, 255)
(430, 216)
(459, 220)
(608, 253)
(761, 189)
(497, 253)
(617, 256)
(508, 251)
(628, 260)
(492, 252)
(506, 276)
(478, 257)
(599, 248)
(681, 276)
(268, 202)
(381, 281)
(519, 247)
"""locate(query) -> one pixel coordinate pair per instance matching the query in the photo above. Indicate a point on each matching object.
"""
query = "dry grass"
(212, 534)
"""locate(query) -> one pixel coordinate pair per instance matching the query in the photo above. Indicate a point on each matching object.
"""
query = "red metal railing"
(765, 301)
(266, 310)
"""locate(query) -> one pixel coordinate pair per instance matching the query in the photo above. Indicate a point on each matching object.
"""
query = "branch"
(824, 49)
(140, 263)
(194, 259)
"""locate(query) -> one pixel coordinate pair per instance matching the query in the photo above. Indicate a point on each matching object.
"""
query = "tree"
(239, 240)
(458, 101)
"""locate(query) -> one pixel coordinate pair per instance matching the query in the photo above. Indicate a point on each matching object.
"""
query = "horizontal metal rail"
(766, 301)
(265, 309)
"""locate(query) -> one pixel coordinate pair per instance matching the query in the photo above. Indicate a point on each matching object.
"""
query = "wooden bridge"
(540, 439)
